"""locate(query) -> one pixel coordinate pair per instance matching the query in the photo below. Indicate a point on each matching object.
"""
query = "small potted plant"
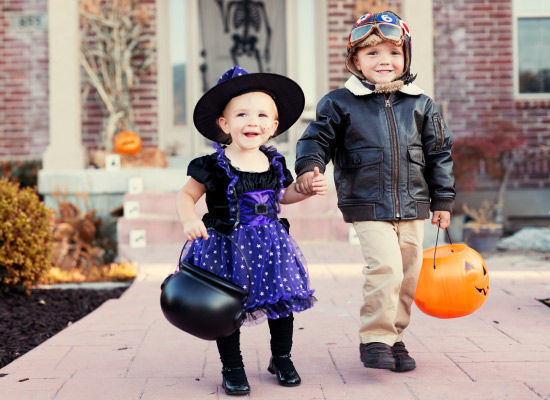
(480, 230)
(490, 157)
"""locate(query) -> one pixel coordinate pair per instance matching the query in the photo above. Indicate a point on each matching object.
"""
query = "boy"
(392, 162)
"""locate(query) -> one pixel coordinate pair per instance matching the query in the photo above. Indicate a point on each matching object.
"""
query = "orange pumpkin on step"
(127, 143)
(457, 284)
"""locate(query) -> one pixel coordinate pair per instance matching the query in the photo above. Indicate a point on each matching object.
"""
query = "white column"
(65, 150)
(418, 15)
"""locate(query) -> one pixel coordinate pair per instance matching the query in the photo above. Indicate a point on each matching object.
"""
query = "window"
(532, 55)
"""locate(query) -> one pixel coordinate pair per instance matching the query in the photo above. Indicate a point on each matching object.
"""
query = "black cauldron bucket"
(201, 303)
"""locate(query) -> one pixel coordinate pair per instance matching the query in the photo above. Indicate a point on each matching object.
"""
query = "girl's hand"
(193, 229)
(319, 182)
(441, 218)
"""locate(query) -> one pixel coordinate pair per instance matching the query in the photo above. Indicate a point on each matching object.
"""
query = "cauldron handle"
(237, 247)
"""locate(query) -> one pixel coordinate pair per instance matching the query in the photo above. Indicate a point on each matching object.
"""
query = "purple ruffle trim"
(231, 190)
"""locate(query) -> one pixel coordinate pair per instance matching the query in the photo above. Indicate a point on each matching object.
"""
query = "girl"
(245, 183)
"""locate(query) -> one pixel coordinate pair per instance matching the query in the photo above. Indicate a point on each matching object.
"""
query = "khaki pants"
(393, 252)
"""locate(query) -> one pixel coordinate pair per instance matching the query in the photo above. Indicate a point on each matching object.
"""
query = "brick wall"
(23, 80)
(474, 81)
(24, 125)
(342, 14)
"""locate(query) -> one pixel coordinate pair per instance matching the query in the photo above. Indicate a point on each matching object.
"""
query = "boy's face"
(382, 63)
(250, 119)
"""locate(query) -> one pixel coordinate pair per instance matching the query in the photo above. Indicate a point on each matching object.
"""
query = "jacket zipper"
(441, 131)
(395, 155)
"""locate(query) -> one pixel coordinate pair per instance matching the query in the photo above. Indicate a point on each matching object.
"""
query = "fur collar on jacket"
(354, 85)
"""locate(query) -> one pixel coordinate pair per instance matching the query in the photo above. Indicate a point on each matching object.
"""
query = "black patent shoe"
(403, 362)
(234, 381)
(283, 368)
(377, 355)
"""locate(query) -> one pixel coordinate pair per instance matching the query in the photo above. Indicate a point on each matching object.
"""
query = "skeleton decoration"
(244, 20)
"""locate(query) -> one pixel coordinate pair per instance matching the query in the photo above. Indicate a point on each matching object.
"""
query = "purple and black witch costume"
(245, 207)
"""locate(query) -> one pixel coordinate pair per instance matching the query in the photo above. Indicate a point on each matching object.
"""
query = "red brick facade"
(473, 79)
(24, 88)
(473, 52)
(23, 82)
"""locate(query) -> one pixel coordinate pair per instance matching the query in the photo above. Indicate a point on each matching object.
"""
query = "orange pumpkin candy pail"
(457, 284)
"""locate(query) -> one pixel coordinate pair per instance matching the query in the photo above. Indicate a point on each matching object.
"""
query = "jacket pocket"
(418, 187)
(359, 158)
(358, 176)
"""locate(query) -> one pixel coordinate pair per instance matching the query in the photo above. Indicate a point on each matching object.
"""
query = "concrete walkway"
(127, 350)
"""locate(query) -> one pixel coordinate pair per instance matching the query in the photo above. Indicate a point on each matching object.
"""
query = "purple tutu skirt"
(279, 281)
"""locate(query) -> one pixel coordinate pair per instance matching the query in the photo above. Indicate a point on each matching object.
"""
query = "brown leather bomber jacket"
(391, 152)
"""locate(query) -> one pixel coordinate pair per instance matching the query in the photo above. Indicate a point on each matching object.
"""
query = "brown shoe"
(403, 362)
(377, 355)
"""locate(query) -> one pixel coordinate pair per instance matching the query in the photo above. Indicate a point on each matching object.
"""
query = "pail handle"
(437, 237)
(240, 251)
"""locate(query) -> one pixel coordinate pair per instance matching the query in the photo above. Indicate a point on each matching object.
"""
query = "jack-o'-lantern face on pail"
(476, 274)
(455, 284)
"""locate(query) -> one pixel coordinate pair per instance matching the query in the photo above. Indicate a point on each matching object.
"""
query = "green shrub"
(25, 236)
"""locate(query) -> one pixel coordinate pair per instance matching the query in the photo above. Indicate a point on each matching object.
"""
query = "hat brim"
(287, 94)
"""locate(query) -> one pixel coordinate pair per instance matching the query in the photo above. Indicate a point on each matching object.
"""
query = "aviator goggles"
(391, 32)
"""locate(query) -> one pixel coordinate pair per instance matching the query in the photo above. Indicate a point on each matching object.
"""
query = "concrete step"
(136, 235)
(160, 203)
(156, 224)
(167, 229)
(165, 203)
(324, 232)
(158, 229)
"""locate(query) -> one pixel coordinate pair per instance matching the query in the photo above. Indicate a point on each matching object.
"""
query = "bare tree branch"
(115, 51)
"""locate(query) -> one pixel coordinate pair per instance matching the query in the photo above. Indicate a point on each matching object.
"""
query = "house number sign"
(28, 22)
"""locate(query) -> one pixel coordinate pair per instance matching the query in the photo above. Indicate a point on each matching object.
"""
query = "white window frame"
(516, 15)
(185, 139)
(173, 137)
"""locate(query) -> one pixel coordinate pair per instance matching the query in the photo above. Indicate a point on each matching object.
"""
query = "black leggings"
(281, 342)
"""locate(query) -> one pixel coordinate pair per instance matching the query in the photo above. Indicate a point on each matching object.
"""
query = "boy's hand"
(193, 229)
(443, 218)
(319, 182)
(304, 183)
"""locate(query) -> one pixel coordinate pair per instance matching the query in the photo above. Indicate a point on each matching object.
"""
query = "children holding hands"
(391, 151)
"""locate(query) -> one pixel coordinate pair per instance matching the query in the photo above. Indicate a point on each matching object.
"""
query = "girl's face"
(250, 119)
(382, 63)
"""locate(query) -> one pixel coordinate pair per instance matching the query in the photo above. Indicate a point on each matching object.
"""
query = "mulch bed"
(28, 320)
